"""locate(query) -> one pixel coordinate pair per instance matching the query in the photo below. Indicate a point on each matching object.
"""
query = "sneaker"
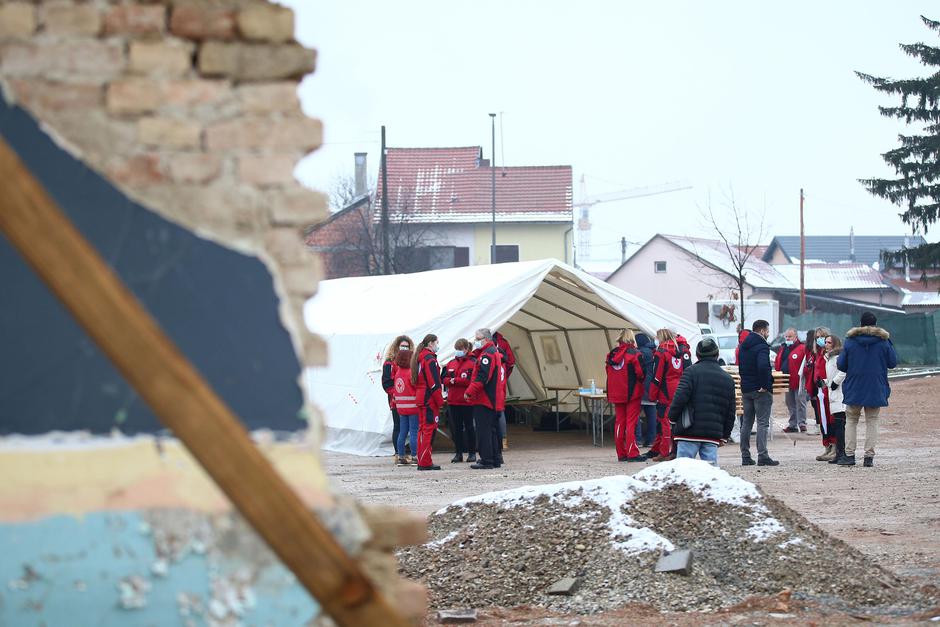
(767, 462)
(790, 430)
(637, 458)
(747, 461)
(622, 459)
(869, 462)
(650, 454)
(429, 467)
(482, 466)
(458, 459)
(835, 460)
(847, 460)
(472, 457)
(802, 428)
(401, 461)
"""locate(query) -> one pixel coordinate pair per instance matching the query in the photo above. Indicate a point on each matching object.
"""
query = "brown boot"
(831, 455)
(825, 454)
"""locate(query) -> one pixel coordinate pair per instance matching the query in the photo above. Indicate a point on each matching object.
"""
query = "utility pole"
(493, 181)
(802, 259)
(386, 261)
(623, 250)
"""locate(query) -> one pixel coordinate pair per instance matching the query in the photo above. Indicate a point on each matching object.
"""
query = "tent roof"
(424, 300)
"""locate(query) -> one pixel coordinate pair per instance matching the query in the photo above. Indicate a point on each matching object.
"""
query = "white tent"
(560, 321)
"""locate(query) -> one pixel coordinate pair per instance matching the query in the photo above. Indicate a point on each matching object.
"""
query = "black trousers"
(396, 426)
(487, 423)
(838, 430)
(461, 427)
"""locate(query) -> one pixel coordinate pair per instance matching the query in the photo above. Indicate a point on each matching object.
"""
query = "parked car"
(727, 344)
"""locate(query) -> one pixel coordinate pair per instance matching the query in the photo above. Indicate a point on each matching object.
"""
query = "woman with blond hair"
(426, 377)
(625, 392)
(668, 366)
(400, 343)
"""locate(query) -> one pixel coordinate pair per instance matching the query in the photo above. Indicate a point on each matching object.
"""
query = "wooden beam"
(182, 399)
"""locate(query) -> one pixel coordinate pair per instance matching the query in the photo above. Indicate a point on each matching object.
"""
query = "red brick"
(142, 95)
(193, 92)
(192, 167)
(54, 96)
(267, 170)
(257, 132)
(161, 58)
(63, 18)
(298, 206)
(168, 132)
(203, 22)
(268, 97)
(255, 62)
(133, 95)
(139, 170)
(17, 19)
(135, 19)
(70, 61)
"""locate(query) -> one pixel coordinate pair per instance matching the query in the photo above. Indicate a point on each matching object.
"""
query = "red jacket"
(428, 388)
(456, 377)
(488, 381)
(403, 392)
(509, 359)
(809, 373)
(668, 366)
(624, 374)
(795, 359)
(741, 337)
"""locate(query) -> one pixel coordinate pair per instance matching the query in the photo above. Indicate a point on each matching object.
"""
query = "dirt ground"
(890, 512)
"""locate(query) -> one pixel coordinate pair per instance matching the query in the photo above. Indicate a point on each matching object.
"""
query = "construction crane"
(583, 222)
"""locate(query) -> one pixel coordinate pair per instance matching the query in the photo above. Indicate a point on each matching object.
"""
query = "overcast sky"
(747, 96)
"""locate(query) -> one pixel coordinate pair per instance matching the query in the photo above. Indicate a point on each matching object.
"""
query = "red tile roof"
(451, 185)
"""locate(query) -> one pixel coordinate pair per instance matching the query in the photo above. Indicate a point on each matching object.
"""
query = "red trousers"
(627, 415)
(664, 440)
(427, 425)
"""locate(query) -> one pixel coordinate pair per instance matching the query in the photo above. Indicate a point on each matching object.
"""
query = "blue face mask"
(789, 342)
(459, 353)
(820, 342)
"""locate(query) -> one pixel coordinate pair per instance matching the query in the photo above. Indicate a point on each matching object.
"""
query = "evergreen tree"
(917, 185)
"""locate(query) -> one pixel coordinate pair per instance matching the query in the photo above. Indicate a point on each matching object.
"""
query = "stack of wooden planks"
(781, 384)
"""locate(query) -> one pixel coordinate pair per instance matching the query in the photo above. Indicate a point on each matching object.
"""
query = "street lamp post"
(493, 183)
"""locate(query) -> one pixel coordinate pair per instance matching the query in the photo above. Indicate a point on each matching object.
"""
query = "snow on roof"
(454, 185)
(832, 277)
(835, 248)
(713, 252)
(921, 299)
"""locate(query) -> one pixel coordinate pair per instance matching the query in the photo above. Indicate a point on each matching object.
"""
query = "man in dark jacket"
(645, 345)
(865, 359)
(757, 384)
(708, 391)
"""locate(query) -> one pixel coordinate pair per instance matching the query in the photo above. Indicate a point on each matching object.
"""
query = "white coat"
(834, 375)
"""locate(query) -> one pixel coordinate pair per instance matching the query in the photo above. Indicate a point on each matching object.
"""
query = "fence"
(916, 337)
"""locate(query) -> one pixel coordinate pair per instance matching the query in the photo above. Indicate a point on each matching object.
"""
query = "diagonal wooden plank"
(182, 399)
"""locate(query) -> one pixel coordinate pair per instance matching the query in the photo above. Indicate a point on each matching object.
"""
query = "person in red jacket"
(668, 365)
(789, 360)
(625, 391)
(400, 343)
(509, 362)
(426, 377)
(821, 396)
(406, 402)
(487, 392)
(456, 379)
(742, 335)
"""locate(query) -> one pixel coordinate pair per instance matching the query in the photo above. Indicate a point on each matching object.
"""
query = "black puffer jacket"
(710, 391)
(645, 345)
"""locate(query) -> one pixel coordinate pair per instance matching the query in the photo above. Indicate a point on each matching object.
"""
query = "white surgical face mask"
(404, 347)
(459, 353)
(478, 344)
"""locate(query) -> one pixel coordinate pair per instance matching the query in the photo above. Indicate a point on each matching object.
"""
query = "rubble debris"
(457, 616)
(566, 586)
(678, 562)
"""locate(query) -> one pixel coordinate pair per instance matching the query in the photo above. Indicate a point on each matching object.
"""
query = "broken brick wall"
(190, 108)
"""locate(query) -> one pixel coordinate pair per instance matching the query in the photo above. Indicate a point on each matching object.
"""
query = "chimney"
(361, 188)
(852, 244)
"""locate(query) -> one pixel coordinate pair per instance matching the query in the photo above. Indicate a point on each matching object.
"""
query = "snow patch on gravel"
(764, 529)
(607, 492)
(704, 479)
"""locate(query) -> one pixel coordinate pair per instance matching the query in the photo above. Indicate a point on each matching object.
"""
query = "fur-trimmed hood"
(873, 331)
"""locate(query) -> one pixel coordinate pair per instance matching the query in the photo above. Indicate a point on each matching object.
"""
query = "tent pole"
(541, 319)
(568, 311)
(532, 344)
(574, 361)
(587, 300)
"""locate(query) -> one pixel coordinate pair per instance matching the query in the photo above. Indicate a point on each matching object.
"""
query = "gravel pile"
(506, 548)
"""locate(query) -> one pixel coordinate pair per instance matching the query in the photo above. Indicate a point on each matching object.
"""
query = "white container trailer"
(721, 312)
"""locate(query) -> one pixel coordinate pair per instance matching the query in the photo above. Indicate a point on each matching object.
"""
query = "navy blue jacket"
(865, 359)
(754, 364)
(645, 345)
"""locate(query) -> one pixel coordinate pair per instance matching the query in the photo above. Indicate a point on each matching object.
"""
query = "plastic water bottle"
(593, 387)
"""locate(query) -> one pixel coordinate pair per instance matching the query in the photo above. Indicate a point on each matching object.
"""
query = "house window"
(421, 258)
(506, 253)
(659, 266)
(461, 257)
